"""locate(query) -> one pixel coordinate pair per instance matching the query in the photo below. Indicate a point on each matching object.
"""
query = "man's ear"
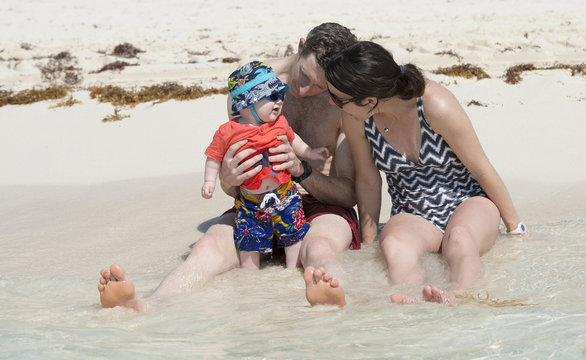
(301, 44)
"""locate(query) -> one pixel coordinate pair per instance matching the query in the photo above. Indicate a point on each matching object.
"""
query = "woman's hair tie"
(402, 71)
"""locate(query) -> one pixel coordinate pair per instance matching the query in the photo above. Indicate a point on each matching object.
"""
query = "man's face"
(307, 77)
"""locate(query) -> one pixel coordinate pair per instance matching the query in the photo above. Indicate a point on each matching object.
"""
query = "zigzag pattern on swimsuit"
(431, 188)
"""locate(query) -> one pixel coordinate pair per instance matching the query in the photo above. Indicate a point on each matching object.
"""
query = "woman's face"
(347, 103)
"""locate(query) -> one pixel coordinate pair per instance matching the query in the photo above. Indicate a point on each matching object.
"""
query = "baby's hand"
(320, 153)
(207, 190)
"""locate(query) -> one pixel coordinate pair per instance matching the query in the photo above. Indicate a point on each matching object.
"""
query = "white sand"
(66, 177)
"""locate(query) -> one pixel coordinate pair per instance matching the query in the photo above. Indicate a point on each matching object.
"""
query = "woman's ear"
(371, 101)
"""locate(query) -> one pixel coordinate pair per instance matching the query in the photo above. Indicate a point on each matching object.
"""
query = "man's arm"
(336, 189)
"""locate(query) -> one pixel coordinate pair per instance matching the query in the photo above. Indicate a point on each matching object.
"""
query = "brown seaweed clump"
(229, 60)
(449, 53)
(118, 96)
(61, 68)
(116, 65)
(67, 103)
(117, 116)
(485, 299)
(468, 71)
(513, 73)
(33, 95)
(476, 103)
(126, 50)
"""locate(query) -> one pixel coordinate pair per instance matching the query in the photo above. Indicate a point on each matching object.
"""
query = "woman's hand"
(286, 156)
(234, 171)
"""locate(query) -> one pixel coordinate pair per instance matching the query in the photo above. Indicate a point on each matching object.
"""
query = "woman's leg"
(403, 240)
(471, 231)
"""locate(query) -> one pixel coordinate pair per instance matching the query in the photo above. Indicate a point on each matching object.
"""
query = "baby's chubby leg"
(249, 260)
(292, 255)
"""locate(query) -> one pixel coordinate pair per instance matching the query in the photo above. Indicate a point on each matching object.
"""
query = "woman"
(446, 196)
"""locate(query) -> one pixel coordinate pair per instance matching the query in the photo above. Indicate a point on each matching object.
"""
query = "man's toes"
(117, 272)
(308, 275)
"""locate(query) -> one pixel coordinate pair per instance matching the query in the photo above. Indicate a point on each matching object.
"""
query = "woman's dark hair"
(367, 69)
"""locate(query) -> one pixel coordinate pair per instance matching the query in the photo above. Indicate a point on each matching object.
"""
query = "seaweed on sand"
(61, 68)
(33, 95)
(67, 103)
(116, 65)
(449, 53)
(126, 50)
(485, 299)
(118, 96)
(513, 73)
(468, 71)
(115, 117)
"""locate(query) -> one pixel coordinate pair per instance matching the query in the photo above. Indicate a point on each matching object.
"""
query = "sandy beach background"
(77, 194)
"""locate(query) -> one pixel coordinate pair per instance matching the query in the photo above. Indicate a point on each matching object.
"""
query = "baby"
(269, 203)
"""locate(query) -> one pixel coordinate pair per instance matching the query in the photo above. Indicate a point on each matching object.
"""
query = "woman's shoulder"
(437, 99)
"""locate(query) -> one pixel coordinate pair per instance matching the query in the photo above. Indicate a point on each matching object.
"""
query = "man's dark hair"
(325, 40)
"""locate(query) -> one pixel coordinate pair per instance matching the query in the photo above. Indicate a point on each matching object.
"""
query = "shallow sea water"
(52, 252)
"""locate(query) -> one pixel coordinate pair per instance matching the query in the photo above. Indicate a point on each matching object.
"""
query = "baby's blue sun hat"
(253, 82)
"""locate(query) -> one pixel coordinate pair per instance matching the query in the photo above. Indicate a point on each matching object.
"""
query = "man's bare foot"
(116, 290)
(321, 289)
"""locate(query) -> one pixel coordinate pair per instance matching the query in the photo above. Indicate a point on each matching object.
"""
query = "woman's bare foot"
(430, 294)
(116, 290)
(433, 294)
(321, 289)
(402, 299)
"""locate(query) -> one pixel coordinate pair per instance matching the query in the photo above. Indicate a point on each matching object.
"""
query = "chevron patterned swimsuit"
(431, 188)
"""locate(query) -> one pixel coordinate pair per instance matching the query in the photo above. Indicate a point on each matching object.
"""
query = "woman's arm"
(448, 118)
(368, 181)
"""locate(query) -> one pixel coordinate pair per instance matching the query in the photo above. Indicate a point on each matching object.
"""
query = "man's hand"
(286, 156)
(233, 171)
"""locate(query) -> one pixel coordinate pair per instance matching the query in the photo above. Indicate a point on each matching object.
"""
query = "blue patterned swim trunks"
(261, 217)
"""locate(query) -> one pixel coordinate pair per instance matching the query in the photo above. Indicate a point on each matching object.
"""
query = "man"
(330, 183)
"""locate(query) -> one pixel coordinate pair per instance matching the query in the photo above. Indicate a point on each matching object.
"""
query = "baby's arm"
(209, 178)
(303, 150)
